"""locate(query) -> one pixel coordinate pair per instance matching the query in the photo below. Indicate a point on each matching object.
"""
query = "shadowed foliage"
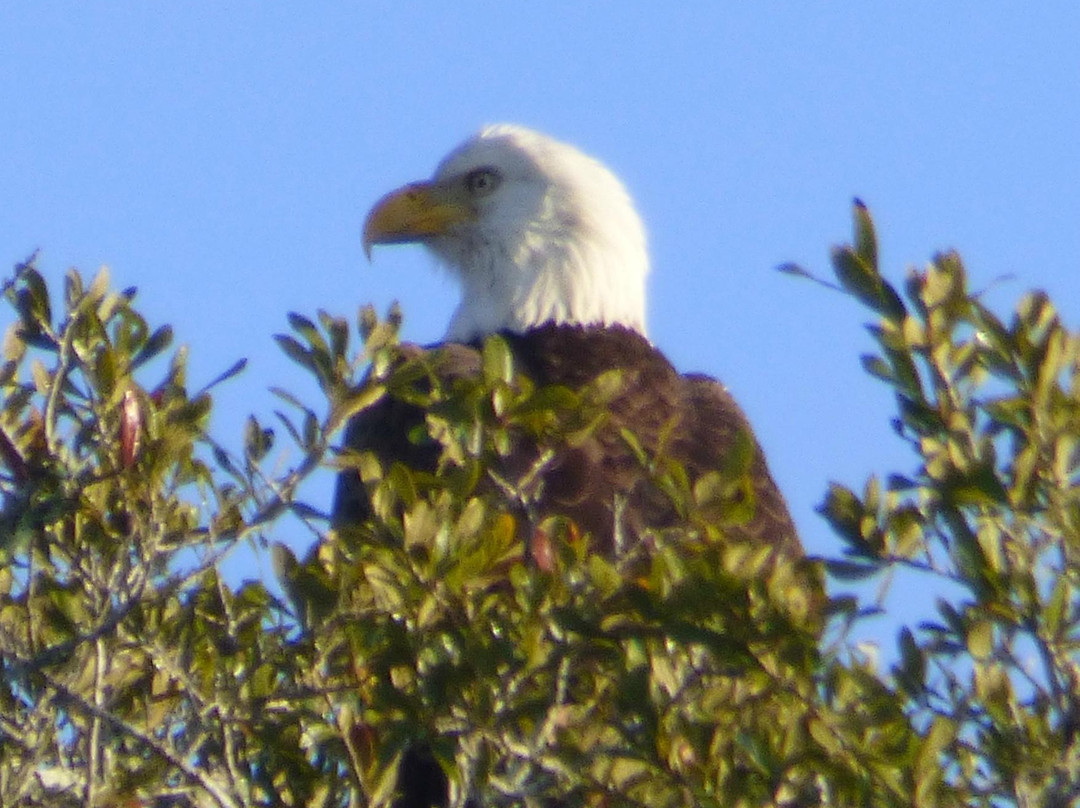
(690, 670)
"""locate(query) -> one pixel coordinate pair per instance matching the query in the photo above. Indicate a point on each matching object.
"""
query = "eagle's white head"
(536, 231)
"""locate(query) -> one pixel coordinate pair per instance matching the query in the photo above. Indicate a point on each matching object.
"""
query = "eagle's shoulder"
(716, 426)
(691, 419)
(385, 427)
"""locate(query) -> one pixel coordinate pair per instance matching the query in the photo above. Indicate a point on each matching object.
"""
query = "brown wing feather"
(716, 423)
(691, 418)
(384, 429)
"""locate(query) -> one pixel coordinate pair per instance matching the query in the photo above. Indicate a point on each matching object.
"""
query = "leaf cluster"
(990, 518)
(457, 620)
(128, 669)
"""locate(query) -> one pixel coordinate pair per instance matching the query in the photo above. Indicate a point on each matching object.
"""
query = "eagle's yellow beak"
(412, 213)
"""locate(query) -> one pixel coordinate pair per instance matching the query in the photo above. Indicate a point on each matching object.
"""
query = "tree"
(132, 674)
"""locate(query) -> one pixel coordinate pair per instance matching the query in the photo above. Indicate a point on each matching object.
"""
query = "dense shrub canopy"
(695, 674)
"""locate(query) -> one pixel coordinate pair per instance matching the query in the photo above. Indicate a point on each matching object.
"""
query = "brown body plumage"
(690, 418)
(551, 254)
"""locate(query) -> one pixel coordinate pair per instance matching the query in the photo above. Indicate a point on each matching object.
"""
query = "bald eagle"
(551, 254)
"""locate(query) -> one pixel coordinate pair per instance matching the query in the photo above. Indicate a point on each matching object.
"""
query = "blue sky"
(221, 157)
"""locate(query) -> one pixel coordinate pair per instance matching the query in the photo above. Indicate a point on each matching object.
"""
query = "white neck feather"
(576, 282)
(560, 242)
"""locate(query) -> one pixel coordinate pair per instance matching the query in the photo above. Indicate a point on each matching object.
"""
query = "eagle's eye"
(482, 181)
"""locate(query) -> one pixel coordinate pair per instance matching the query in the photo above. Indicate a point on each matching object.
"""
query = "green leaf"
(295, 351)
(302, 325)
(233, 370)
(158, 342)
(919, 415)
(980, 639)
(850, 570)
(73, 288)
(844, 511)
(905, 373)
(498, 361)
(257, 440)
(309, 331)
(911, 673)
(1057, 607)
(791, 268)
(800, 272)
(865, 237)
(929, 769)
(854, 276)
(862, 281)
(33, 299)
(338, 330)
(978, 486)
(878, 367)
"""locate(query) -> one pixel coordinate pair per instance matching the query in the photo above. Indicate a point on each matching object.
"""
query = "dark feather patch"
(691, 419)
